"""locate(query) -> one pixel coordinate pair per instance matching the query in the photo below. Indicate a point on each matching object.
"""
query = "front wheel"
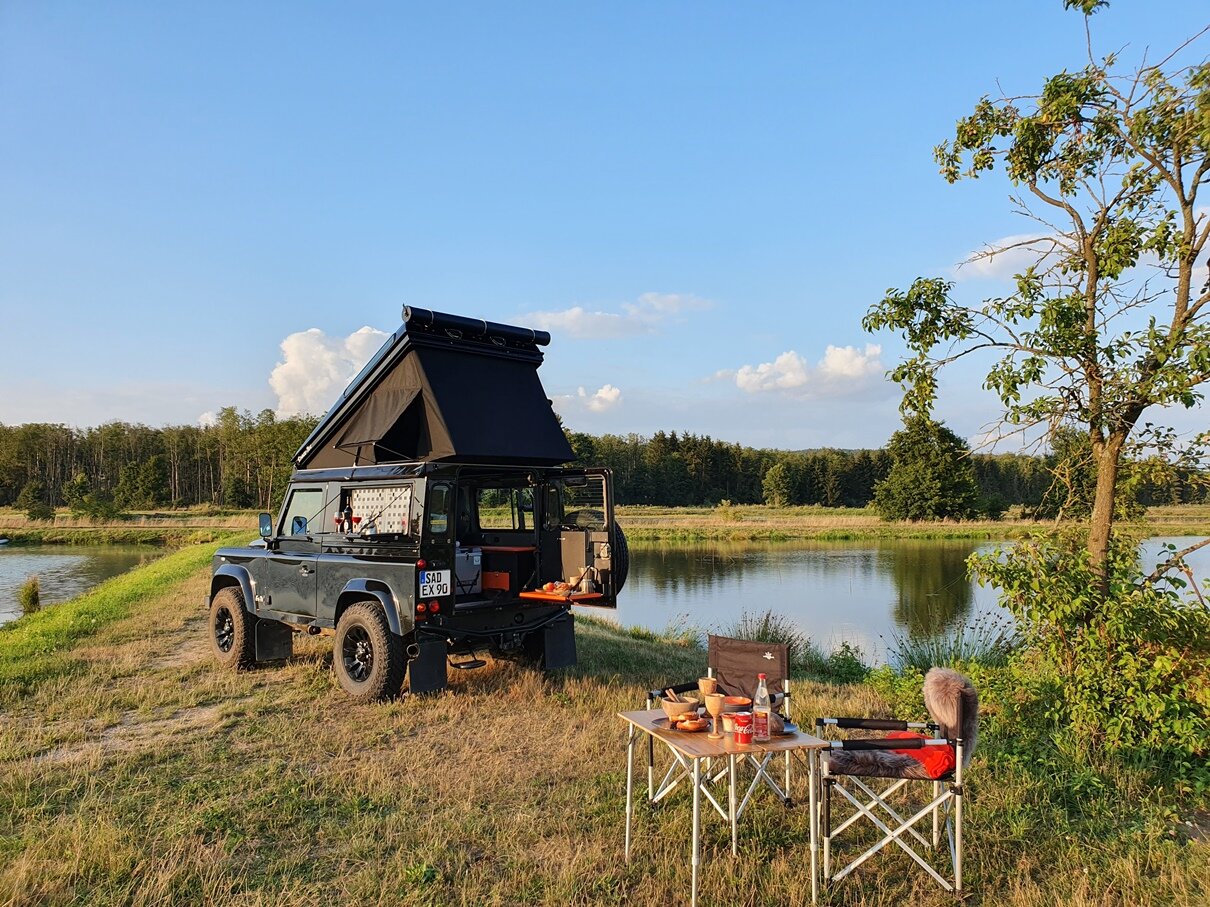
(367, 657)
(232, 630)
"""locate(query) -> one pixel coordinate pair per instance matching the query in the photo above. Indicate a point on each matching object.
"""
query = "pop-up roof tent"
(443, 387)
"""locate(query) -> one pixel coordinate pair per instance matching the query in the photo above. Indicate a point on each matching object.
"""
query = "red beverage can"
(743, 727)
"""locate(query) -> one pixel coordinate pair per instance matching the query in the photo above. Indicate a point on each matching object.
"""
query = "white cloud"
(1004, 258)
(644, 316)
(315, 368)
(842, 369)
(605, 398)
(208, 419)
(787, 371)
(850, 362)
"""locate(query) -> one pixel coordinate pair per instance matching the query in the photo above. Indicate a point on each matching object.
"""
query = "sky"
(228, 204)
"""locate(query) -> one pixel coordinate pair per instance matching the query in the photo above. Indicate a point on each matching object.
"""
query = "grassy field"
(758, 522)
(132, 771)
(642, 523)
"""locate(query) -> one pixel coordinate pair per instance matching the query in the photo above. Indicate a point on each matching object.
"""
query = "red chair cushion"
(938, 761)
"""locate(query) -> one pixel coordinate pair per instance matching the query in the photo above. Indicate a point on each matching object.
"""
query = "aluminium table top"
(700, 746)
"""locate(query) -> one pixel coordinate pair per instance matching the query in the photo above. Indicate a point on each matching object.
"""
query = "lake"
(64, 570)
(862, 592)
(856, 591)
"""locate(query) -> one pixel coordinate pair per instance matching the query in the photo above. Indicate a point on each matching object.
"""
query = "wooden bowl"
(675, 709)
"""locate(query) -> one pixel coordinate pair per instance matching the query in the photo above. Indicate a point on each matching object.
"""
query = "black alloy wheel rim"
(357, 653)
(224, 630)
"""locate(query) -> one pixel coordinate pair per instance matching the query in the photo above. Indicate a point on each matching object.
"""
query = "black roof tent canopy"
(443, 387)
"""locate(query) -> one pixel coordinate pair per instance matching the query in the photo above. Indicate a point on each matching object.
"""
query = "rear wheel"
(368, 659)
(232, 630)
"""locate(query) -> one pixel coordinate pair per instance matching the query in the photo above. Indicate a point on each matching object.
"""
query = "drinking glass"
(714, 705)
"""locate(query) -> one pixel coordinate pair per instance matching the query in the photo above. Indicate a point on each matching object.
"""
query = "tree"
(1108, 320)
(32, 500)
(778, 485)
(932, 476)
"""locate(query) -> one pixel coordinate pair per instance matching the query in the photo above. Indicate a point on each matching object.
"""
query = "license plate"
(434, 583)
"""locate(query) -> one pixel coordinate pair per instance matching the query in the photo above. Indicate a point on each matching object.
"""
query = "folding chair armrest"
(882, 743)
(868, 724)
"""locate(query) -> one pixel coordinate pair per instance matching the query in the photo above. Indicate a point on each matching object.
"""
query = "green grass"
(115, 535)
(139, 773)
(38, 647)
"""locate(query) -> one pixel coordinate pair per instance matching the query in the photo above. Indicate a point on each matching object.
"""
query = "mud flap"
(560, 644)
(274, 641)
(426, 672)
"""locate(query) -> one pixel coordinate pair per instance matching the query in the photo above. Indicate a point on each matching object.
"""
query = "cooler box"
(468, 571)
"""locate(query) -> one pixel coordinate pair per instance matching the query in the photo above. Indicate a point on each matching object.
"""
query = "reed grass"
(989, 640)
(29, 596)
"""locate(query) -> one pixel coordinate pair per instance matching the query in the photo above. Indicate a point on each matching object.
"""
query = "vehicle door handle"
(305, 571)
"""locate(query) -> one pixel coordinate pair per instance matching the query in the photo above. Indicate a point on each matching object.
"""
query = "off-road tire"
(368, 659)
(232, 630)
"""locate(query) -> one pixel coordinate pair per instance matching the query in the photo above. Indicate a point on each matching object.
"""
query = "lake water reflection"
(63, 571)
(856, 591)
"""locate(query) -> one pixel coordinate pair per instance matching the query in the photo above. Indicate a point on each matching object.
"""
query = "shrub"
(846, 664)
(1132, 665)
(727, 511)
(29, 596)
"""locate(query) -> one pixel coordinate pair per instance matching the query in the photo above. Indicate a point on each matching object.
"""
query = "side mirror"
(298, 526)
(266, 525)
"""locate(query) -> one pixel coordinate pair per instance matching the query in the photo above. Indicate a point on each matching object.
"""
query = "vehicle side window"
(584, 505)
(377, 510)
(504, 508)
(438, 507)
(303, 513)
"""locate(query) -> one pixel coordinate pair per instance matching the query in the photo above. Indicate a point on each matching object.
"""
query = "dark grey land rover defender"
(430, 519)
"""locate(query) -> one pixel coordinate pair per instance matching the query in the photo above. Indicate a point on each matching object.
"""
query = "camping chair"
(905, 760)
(735, 664)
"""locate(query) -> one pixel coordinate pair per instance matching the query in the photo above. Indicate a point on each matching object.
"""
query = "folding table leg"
(731, 801)
(697, 824)
(629, 786)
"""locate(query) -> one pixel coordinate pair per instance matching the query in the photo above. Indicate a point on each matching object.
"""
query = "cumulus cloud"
(1004, 258)
(643, 316)
(606, 397)
(787, 371)
(208, 419)
(842, 369)
(850, 362)
(315, 368)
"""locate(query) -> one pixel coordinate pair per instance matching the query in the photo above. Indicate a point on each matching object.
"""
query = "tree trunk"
(1100, 529)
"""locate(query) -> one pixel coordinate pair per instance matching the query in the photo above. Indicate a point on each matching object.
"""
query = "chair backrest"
(736, 662)
(953, 703)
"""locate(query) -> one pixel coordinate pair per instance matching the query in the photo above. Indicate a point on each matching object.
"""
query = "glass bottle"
(761, 710)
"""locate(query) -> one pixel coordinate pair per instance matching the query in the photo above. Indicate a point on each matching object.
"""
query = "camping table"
(690, 750)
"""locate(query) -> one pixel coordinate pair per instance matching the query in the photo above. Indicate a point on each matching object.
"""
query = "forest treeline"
(243, 460)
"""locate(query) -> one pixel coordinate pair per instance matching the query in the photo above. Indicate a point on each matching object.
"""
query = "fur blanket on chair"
(952, 702)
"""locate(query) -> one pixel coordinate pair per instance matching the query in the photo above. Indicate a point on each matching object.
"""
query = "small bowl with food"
(676, 709)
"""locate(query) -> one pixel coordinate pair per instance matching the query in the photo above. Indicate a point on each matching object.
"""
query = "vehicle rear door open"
(588, 536)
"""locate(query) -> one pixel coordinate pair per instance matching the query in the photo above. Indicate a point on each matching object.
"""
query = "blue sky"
(201, 204)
